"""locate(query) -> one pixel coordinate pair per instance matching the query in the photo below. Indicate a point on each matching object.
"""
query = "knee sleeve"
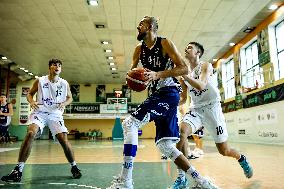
(130, 131)
(168, 148)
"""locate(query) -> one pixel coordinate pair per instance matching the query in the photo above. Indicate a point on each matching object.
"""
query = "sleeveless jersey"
(154, 60)
(50, 95)
(208, 95)
(5, 120)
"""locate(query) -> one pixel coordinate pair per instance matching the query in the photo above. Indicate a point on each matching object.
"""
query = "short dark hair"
(199, 46)
(153, 21)
(54, 61)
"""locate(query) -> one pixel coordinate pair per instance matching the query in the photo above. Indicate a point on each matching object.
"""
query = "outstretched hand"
(61, 106)
(34, 105)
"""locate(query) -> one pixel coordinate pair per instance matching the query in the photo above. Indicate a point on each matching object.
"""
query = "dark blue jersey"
(153, 59)
(4, 119)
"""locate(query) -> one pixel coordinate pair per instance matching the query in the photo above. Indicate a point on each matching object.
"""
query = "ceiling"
(34, 31)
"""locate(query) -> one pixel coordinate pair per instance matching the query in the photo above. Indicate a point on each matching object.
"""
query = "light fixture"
(110, 58)
(26, 71)
(100, 26)
(104, 42)
(273, 7)
(232, 44)
(4, 58)
(108, 50)
(22, 68)
(30, 73)
(36, 77)
(215, 59)
(113, 69)
(111, 63)
(93, 2)
(248, 29)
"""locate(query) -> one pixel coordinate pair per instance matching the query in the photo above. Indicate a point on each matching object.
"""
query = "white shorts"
(211, 117)
(54, 122)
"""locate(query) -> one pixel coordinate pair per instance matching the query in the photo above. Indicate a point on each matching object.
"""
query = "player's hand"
(61, 106)
(151, 75)
(1, 112)
(185, 77)
(34, 105)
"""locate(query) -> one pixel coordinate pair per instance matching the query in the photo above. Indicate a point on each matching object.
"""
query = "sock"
(73, 163)
(127, 167)
(242, 158)
(193, 173)
(21, 166)
(181, 174)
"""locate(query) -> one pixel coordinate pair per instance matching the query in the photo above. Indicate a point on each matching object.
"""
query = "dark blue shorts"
(162, 108)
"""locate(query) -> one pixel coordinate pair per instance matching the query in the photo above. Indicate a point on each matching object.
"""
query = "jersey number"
(155, 61)
(219, 130)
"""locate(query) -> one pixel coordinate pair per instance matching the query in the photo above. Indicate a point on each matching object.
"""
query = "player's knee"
(184, 131)
(31, 134)
(62, 138)
(168, 148)
(32, 131)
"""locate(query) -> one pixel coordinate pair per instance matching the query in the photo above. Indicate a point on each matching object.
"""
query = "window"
(228, 76)
(251, 72)
(279, 38)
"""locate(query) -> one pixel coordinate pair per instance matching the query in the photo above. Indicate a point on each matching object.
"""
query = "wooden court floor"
(100, 160)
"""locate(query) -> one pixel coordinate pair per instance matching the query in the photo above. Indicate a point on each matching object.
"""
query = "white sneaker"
(204, 183)
(119, 183)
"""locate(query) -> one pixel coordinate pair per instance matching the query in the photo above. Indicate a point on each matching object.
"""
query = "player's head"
(146, 25)
(3, 98)
(54, 61)
(55, 65)
(195, 48)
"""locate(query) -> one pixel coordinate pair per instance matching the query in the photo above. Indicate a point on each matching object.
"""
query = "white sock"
(21, 166)
(127, 167)
(193, 173)
(181, 174)
(73, 163)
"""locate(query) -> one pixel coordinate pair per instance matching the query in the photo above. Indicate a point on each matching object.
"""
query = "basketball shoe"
(14, 176)
(119, 183)
(248, 171)
(180, 184)
(76, 173)
(203, 183)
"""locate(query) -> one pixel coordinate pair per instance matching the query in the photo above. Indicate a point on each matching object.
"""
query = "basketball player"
(163, 62)
(205, 110)
(53, 94)
(6, 111)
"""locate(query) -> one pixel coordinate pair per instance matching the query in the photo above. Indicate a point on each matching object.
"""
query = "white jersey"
(50, 95)
(208, 95)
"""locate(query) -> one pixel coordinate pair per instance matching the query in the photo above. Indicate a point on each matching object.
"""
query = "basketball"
(136, 80)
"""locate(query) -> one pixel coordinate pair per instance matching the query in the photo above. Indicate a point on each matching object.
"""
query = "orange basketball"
(136, 80)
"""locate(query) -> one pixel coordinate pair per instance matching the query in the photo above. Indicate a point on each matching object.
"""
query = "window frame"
(278, 75)
(249, 74)
(229, 89)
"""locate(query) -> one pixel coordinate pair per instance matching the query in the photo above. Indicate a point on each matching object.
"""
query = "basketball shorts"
(161, 107)
(54, 122)
(211, 117)
(199, 132)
